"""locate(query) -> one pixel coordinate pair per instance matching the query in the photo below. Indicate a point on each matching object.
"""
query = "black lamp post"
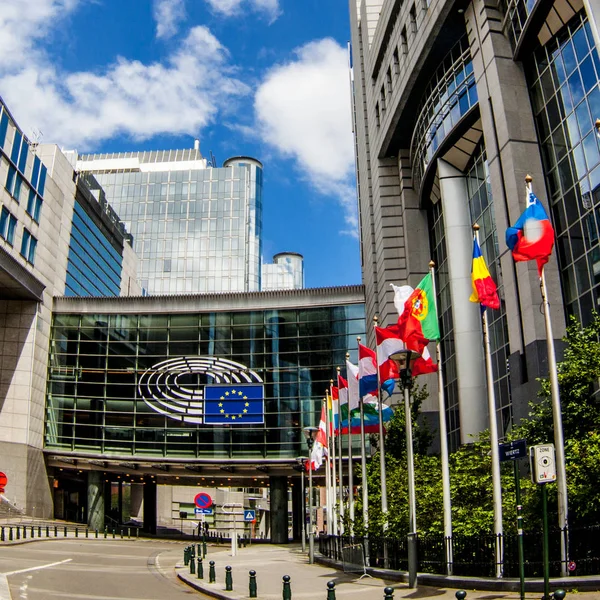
(301, 466)
(309, 432)
(405, 360)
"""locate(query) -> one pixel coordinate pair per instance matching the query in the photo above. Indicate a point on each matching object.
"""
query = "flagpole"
(340, 458)
(363, 466)
(559, 442)
(350, 462)
(333, 461)
(496, 481)
(383, 477)
(447, 503)
(327, 472)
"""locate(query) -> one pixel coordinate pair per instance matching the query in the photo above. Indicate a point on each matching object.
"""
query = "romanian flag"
(484, 288)
(532, 237)
(418, 322)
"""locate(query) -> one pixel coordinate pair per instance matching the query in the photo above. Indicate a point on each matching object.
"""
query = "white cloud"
(168, 14)
(303, 110)
(180, 95)
(236, 8)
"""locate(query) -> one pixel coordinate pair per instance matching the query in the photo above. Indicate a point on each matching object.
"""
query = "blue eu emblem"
(233, 404)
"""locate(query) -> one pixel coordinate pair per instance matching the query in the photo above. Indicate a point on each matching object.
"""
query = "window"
(388, 79)
(14, 155)
(404, 40)
(397, 58)
(3, 128)
(382, 98)
(14, 182)
(34, 205)
(28, 246)
(377, 115)
(8, 223)
(413, 19)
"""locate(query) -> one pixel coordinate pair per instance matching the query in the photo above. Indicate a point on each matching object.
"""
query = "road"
(92, 570)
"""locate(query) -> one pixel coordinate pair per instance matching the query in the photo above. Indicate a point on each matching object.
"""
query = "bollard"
(10, 534)
(212, 576)
(388, 593)
(47, 531)
(461, 595)
(65, 531)
(87, 532)
(200, 568)
(76, 532)
(2, 535)
(228, 579)
(39, 531)
(96, 532)
(287, 590)
(252, 584)
(24, 532)
(32, 532)
(113, 531)
(186, 556)
(129, 533)
(192, 565)
(105, 532)
(559, 594)
(121, 534)
(55, 531)
(331, 590)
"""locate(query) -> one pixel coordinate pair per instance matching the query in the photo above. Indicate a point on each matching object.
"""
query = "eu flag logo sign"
(233, 404)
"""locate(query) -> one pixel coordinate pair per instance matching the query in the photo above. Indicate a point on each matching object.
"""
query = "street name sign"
(203, 511)
(513, 450)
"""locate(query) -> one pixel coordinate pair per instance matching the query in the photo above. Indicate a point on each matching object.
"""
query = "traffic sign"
(513, 450)
(249, 515)
(543, 465)
(203, 500)
(3, 481)
(203, 511)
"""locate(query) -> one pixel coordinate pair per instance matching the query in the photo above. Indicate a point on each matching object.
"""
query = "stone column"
(279, 509)
(95, 500)
(297, 509)
(468, 341)
(150, 507)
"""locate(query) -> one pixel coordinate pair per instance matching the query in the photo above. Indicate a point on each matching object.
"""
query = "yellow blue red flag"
(484, 288)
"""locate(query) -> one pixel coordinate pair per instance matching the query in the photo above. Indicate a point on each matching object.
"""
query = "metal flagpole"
(559, 442)
(384, 498)
(350, 462)
(443, 445)
(333, 461)
(496, 481)
(340, 458)
(327, 473)
(363, 468)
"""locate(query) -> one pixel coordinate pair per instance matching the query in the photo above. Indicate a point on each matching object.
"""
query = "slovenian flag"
(484, 288)
(532, 237)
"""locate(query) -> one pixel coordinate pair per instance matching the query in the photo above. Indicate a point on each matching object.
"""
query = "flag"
(484, 288)
(532, 237)
(343, 397)
(418, 321)
(335, 408)
(388, 341)
(367, 371)
(233, 404)
(319, 449)
(371, 415)
(353, 392)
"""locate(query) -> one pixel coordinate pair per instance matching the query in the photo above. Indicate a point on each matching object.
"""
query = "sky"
(263, 78)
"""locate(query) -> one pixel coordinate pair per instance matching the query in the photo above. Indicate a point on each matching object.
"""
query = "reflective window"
(28, 246)
(8, 223)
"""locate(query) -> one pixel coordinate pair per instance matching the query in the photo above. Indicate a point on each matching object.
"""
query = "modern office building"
(286, 272)
(197, 228)
(55, 240)
(455, 102)
(208, 390)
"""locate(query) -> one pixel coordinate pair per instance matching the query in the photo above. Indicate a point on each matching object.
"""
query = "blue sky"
(265, 78)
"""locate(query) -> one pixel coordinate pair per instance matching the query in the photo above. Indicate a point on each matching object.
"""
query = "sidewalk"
(272, 562)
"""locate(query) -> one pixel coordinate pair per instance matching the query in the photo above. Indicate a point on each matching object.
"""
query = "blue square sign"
(249, 515)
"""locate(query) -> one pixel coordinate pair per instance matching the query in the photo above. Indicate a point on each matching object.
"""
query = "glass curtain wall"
(94, 404)
(563, 78)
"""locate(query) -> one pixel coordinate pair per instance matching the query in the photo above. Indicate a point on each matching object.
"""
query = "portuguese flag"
(418, 324)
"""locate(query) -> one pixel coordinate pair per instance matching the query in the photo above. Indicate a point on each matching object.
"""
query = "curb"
(203, 588)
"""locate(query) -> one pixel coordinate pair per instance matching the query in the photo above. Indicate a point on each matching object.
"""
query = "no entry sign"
(203, 500)
(3, 482)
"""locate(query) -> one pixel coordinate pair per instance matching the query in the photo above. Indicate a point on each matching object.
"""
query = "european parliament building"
(455, 102)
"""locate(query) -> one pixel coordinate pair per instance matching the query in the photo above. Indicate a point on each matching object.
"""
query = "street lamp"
(301, 466)
(309, 432)
(405, 360)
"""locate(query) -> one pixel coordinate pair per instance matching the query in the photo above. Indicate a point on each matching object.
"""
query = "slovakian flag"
(484, 288)
(388, 342)
(418, 324)
(367, 371)
(532, 237)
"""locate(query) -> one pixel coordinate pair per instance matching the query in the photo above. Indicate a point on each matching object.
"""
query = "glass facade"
(563, 77)
(98, 400)
(94, 266)
(195, 230)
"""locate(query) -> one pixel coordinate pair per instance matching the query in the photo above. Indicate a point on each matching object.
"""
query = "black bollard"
(87, 532)
(331, 590)
(105, 532)
(55, 531)
(18, 532)
(121, 534)
(76, 532)
(252, 585)
(65, 531)
(2, 535)
(96, 532)
(39, 531)
(559, 594)
(388, 593)
(461, 595)
(47, 531)
(113, 530)
(200, 568)
(287, 590)
(192, 565)
(212, 576)
(228, 579)
(32, 532)
(10, 534)
(186, 556)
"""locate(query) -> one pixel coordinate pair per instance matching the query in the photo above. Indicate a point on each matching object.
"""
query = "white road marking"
(5, 590)
(60, 562)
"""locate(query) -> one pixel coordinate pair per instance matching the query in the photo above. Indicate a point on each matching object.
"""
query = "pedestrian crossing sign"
(249, 515)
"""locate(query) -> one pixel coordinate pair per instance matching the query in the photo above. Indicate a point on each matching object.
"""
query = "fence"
(474, 555)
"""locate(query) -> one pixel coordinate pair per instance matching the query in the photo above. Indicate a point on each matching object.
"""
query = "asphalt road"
(92, 570)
